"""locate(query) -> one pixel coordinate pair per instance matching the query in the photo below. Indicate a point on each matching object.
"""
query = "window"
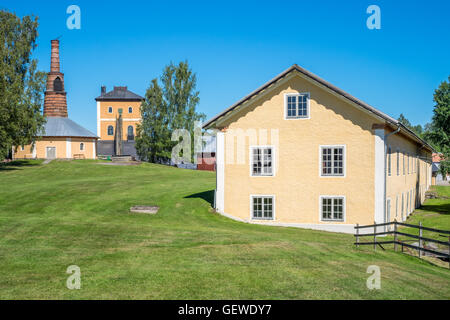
(263, 207)
(403, 206)
(396, 206)
(332, 161)
(389, 161)
(22, 148)
(388, 210)
(398, 162)
(57, 84)
(262, 161)
(297, 106)
(110, 109)
(408, 162)
(130, 109)
(110, 130)
(130, 133)
(411, 202)
(332, 208)
(407, 203)
(403, 163)
(81, 146)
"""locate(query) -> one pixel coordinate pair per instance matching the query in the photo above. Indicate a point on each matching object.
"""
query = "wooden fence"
(421, 248)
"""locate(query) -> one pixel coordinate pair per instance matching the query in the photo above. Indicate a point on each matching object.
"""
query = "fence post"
(395, 235)
(357, 235)
(374, 236)
(420, 239)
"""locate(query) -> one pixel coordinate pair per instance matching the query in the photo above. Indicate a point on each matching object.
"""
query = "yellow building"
(62, 138)
(305, 153)
(109, 105)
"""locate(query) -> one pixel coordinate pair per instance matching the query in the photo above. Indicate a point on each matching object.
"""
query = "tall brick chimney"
(55, 102)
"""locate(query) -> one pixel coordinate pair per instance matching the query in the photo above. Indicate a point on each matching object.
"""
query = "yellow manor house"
(119, 101)
(301, 152)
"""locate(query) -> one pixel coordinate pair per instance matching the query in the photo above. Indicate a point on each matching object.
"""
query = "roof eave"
(378, 113)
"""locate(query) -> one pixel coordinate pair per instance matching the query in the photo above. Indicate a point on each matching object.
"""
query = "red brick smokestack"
(55, 102)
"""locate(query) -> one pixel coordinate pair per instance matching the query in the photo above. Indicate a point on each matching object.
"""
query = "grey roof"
(64, 127)
(119, 93)
(210, 123)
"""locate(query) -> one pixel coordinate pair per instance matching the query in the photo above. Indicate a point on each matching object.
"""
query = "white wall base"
(340, 228)
(379, 176)
(220, 172)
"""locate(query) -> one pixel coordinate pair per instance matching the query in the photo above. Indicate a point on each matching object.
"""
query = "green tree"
(417, 129)
(168, 105)
(402, 119)
(439, 133)
(21, 85)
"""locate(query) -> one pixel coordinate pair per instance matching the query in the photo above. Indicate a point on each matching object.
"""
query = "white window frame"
(273, 160)
(82, 143)
(344, 208)
(107, 130)
(344, 160)
(389, 167)
(110, 108)
(403, 206)
(408, 162)
(252, 196)
(297, 94)
(396, 206)
(404, 154)
(388, 210)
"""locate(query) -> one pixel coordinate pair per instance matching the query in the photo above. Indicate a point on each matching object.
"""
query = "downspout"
(386, 169)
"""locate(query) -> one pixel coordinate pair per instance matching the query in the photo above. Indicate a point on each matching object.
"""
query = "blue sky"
(236, 46)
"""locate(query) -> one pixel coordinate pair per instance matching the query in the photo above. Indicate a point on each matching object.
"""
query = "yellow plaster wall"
(26, 153)
(105, 117)
(59, 143)
(61, 148)
(297, 185)
(104, 105)
(88, 151)
(413, 182)
(104, 129)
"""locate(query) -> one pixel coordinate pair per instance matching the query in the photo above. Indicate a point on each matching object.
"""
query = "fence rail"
(420, 248)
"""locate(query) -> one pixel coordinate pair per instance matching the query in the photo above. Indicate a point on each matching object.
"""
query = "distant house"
(109, 105)
(299, 151)
(436, 174)
(62, 138)
(206, 160)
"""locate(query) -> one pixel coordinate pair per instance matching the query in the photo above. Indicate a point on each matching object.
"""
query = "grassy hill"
(77, 213)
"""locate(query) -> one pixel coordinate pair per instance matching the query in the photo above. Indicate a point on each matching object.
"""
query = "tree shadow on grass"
(16, 165)
(443, 208)
(208, 196)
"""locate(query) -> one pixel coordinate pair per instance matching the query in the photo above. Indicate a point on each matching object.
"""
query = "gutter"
(386, 170)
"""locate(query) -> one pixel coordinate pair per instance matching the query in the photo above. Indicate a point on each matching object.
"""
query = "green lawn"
(435, 213)
(76, 213)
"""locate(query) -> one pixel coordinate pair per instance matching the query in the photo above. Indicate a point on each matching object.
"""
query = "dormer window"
(297, 106)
